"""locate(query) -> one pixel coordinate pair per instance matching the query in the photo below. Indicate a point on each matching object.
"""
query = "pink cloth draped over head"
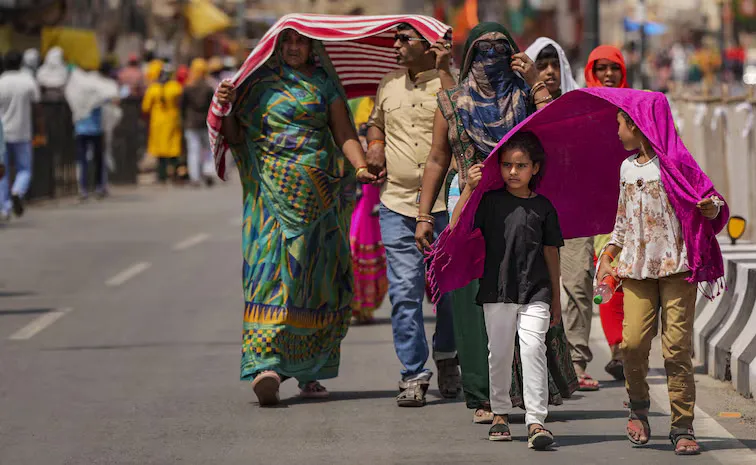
(581, 178)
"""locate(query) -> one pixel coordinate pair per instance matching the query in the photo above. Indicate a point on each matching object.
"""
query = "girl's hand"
(708, 208)
(365, 177)
(474, 175)
(225, 93)
(525, 66)
(556, 312)
(605, 269)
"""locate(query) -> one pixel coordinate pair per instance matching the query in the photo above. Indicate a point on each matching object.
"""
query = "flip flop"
(265, 386)
(584, 383)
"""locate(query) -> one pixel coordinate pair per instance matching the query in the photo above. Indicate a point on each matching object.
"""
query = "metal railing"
(54, 165)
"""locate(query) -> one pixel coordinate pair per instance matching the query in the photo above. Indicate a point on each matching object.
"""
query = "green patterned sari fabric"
(298, 194)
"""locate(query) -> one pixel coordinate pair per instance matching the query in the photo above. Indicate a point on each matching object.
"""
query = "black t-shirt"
(515, 231)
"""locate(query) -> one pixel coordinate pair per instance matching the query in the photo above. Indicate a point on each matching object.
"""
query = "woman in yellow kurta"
(162, 103)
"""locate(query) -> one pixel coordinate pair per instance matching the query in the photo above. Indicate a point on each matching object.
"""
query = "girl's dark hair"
(627, 118)
(549, 52)
(530, 144)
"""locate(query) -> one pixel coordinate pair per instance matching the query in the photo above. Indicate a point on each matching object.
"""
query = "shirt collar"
(424, 76)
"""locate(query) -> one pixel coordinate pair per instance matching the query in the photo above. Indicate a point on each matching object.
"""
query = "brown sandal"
(678, 434)
(586, 383)
(266, 386)
(633, 428)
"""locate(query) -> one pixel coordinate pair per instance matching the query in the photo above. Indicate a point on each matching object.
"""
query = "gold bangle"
(536, 87)
(422, 220)
(426, 218)
(543, 100)
(360, 170)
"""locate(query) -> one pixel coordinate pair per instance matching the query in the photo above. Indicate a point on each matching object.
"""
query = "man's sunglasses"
(501, 46)
(405, 39)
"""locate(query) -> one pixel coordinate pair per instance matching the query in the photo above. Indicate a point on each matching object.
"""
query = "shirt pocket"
(391, 110)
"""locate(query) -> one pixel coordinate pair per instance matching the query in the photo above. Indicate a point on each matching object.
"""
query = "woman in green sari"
(498, 89)
(290, 133)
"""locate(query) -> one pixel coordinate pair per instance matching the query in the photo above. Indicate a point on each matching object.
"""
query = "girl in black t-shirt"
(519, 290)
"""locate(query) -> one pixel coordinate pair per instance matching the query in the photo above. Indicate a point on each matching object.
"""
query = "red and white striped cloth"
(360, 47)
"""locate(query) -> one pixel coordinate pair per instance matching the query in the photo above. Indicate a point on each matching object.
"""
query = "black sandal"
(684, 433)
(500, 432)
(646, 428)
(539, 438)
(616, 368)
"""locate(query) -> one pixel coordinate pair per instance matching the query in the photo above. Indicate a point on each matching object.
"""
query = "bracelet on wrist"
(608, 254)
(425, 220)
(543, 100)
(377, 141)
(360, 170)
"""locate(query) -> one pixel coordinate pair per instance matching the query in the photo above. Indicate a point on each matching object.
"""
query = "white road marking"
(127, 274)
(716, 441)
(38, 324)
(722, 445)
(191, 241)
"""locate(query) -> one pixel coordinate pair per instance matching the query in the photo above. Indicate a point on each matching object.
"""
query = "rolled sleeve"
(377, 116)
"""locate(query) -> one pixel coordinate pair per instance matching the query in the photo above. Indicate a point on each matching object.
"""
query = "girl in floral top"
(649, 245)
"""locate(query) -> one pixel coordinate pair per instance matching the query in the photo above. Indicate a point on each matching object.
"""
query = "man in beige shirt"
(399, 138)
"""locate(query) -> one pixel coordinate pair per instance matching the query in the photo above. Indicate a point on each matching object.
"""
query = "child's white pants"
(503, 323)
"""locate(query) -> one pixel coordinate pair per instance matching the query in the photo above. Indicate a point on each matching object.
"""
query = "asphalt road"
(120, 339)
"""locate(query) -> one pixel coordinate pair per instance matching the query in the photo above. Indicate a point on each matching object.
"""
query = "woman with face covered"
(606, 68)
(499, 87)
(577, 254)
(293, 142)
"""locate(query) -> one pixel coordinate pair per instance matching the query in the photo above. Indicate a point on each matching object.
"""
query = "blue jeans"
(83, 142)
(406, 276)
(21, 154)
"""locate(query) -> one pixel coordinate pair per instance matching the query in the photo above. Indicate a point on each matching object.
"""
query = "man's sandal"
(265, 385)
(678, 434)
(632, 427)
(449, 379)
(412, 393)
(539, 438)
(500, 432)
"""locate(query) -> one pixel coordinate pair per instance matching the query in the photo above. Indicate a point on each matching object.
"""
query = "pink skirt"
(368, 256)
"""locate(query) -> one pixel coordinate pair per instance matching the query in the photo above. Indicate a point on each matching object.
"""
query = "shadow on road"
(337, 396)
(25, 311)
(11, 294)
(559, 416)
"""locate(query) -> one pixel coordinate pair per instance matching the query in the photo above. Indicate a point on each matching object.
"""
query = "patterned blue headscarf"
(494, 98)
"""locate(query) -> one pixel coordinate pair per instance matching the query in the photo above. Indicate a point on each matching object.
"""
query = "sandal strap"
(537, 430)
(639, 404)
(638, 416)
(500, 428)
(681, 433)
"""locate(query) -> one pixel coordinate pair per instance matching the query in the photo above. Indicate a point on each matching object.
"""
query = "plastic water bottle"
(604, 292)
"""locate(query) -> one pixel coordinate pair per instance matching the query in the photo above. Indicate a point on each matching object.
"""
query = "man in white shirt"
(18, 91)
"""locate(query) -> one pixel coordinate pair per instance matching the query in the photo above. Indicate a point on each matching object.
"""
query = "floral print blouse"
(646, 227)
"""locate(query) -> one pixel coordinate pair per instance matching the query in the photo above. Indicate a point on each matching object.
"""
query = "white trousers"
(504, 322)
(199, 159)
